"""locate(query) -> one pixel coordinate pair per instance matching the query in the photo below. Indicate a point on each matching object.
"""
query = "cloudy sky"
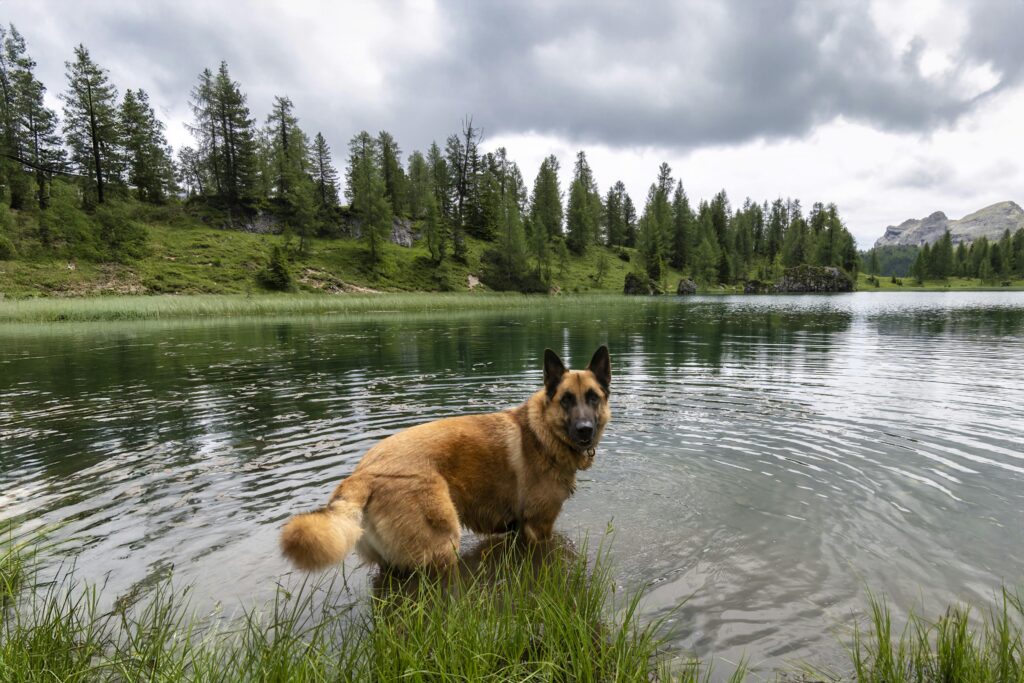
(893, 109)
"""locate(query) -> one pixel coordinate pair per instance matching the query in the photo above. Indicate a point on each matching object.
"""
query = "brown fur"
(409, 497)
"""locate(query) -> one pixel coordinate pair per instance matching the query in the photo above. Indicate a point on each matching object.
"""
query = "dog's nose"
(585, 431)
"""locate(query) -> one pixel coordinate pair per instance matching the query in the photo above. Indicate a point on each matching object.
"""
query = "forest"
(75, 184)
(988, 261)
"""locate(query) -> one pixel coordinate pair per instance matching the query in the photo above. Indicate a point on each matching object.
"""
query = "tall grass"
(958, 647)
(90, 309)
(518, 616)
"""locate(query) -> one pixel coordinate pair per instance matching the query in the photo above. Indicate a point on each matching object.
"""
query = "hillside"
(990, 222)
(187, 257)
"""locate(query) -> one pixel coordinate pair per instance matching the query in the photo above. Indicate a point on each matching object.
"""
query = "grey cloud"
(724, 72)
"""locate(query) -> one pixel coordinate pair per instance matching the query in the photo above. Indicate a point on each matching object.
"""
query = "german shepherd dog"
(405, 504)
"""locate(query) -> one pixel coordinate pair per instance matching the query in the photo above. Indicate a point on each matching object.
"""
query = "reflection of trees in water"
(967, 322)
(230, 387)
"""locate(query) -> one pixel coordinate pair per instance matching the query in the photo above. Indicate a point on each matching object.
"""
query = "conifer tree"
(546, 201)
(368, 195)
(325, 177)
(227, 140)
(30, 140)
(583, 211)
(682, 226)
(391, 170)
(91, 124)
(418, 186)
(147, 154)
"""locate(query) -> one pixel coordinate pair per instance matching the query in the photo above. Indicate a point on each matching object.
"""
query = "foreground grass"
(512, 618)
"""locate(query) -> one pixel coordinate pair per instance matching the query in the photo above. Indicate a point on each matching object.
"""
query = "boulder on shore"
(638, 285)
(816, 279)
(686, 287)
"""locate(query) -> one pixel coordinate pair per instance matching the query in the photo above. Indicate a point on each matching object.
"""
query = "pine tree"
(418, 186)
(227, 140)
(583, 212)
(147, 154)
(629, 219)
(391, 168)
(325, 177)
(13, 144)
(368, 195)
(546, 201)
(682, 226)
(33, 137)
(720, 222)
(614, 212)
(91, 124)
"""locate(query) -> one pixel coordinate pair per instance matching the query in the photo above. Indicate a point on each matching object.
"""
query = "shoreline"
(135, 307)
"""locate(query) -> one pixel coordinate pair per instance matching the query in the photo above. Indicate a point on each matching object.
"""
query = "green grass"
(957, 647)
(520, 615)
(168, 307)
(951, 284)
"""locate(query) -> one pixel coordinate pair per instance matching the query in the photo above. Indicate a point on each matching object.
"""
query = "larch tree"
(391, 168)
(682, 227)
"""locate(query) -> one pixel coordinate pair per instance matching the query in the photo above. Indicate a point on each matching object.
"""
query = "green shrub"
(121, 237)
(277, 274)
(7, 251)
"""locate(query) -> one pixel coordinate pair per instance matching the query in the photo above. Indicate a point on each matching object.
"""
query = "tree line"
(109, 148)
(989, 261)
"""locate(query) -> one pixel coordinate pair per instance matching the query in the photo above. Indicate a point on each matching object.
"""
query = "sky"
(892, 109)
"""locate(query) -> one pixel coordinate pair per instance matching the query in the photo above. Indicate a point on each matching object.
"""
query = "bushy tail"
(316, 540)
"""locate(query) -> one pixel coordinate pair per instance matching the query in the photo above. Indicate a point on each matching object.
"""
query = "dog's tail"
(316, 540)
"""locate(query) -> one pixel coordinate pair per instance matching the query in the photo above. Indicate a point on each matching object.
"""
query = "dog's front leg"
(539, 530)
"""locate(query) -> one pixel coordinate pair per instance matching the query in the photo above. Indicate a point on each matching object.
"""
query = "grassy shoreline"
(521, 613)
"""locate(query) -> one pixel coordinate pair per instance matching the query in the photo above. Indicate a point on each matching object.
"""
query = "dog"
(405, 504)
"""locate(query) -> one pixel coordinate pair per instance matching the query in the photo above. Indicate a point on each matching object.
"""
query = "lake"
(769, 458)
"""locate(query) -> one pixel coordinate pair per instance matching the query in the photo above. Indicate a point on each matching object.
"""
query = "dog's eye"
(592, 398)
(568, 400)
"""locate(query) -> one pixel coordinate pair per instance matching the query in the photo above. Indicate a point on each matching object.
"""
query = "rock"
(816, 279)
(637, 285)
(402, 232)
(686, 287)
(757, 287)
(263, 223)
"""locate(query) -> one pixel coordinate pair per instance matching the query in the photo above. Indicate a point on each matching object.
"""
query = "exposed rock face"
(402, 233)
(263, 223)
(818, 279)
(638, 285)
(989, 222)
(686, 287)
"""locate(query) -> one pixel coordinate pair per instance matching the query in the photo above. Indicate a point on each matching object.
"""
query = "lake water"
(769, 458)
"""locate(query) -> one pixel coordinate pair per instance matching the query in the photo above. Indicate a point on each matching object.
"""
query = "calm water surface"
(768, 459)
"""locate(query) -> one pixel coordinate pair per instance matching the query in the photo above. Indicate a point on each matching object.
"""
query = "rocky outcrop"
(402, 232)
(757, 287)
(263, 223)
(638, 285)
(686, 287)
(990, 222)
(816, 279)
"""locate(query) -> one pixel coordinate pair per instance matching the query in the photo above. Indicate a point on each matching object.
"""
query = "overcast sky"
(891, 109)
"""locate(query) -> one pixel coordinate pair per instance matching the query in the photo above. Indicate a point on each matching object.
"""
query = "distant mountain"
(989, 222)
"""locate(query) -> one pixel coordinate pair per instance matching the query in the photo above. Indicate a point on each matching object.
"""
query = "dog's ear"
(601, 366)
(553, 371)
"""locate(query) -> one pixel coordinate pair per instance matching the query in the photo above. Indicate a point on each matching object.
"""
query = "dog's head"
(577, 409)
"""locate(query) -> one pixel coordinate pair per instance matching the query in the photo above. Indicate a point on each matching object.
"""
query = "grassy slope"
(189, 258)
(952, 284)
